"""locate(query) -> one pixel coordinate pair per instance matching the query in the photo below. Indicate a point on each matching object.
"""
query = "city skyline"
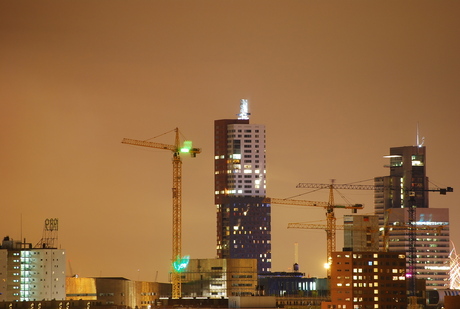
(335, 84)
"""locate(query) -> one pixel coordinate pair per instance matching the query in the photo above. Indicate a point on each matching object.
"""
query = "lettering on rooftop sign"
(51, 224)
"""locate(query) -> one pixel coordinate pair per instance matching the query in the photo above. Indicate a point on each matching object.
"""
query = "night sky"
(337, 83)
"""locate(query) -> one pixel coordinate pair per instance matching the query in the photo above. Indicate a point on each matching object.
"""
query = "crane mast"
(176, 198)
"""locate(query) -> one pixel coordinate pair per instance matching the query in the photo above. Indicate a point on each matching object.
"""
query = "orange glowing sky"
(337, 83)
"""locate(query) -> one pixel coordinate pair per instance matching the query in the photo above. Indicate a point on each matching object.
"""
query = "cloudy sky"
(337, 83)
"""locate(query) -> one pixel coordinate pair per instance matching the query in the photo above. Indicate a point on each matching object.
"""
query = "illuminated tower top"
(419, 141)
(244, 110)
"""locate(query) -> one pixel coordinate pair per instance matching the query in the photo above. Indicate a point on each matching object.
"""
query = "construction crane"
(411, 227)
(385, 230)
(330, 217)
(176, 149)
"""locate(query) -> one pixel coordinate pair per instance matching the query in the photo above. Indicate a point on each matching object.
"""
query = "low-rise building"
(217, 278)
(117, 291)
(368, 280)
(30, 274)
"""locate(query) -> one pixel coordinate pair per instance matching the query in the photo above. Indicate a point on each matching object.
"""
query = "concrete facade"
(117, 291)
(361, 233)
(30, 274)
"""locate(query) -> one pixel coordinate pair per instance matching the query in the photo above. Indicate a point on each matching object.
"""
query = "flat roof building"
(217, 278)
(30, 274)
(368, 280)
(116, 292)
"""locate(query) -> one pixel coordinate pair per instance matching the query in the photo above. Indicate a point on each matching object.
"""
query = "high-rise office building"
(432, 245)
(243, 218)
(407, 174)
(405, 187)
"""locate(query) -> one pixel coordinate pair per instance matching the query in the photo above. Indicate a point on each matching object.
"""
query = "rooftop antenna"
(244, 110)
(419, 141)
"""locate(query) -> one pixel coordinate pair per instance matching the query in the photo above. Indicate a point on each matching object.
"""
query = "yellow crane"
(176, 149)
(330, 217)
(319, 226)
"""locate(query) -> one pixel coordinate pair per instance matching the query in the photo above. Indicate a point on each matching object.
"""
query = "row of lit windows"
(238, 192)
(241, 131)
(243, 126)
(374, 255)
(230, 145)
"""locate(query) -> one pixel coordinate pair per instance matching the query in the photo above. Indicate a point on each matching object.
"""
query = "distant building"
(283, 284)
(251, 302)
(436, 299)
(432, 247)
(405, 187)
(30, 274)
(361, 233)
(407, 173)
(368, 280)
(81, 288)
(217, 278)
(243, 219)
(117, 291)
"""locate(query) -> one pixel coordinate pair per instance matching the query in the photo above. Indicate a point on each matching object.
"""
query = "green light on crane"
(187, 147)
(180, 264)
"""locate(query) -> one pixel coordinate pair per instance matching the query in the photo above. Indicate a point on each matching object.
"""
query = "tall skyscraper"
(243, 219)
(407, 173)
(407, 186)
